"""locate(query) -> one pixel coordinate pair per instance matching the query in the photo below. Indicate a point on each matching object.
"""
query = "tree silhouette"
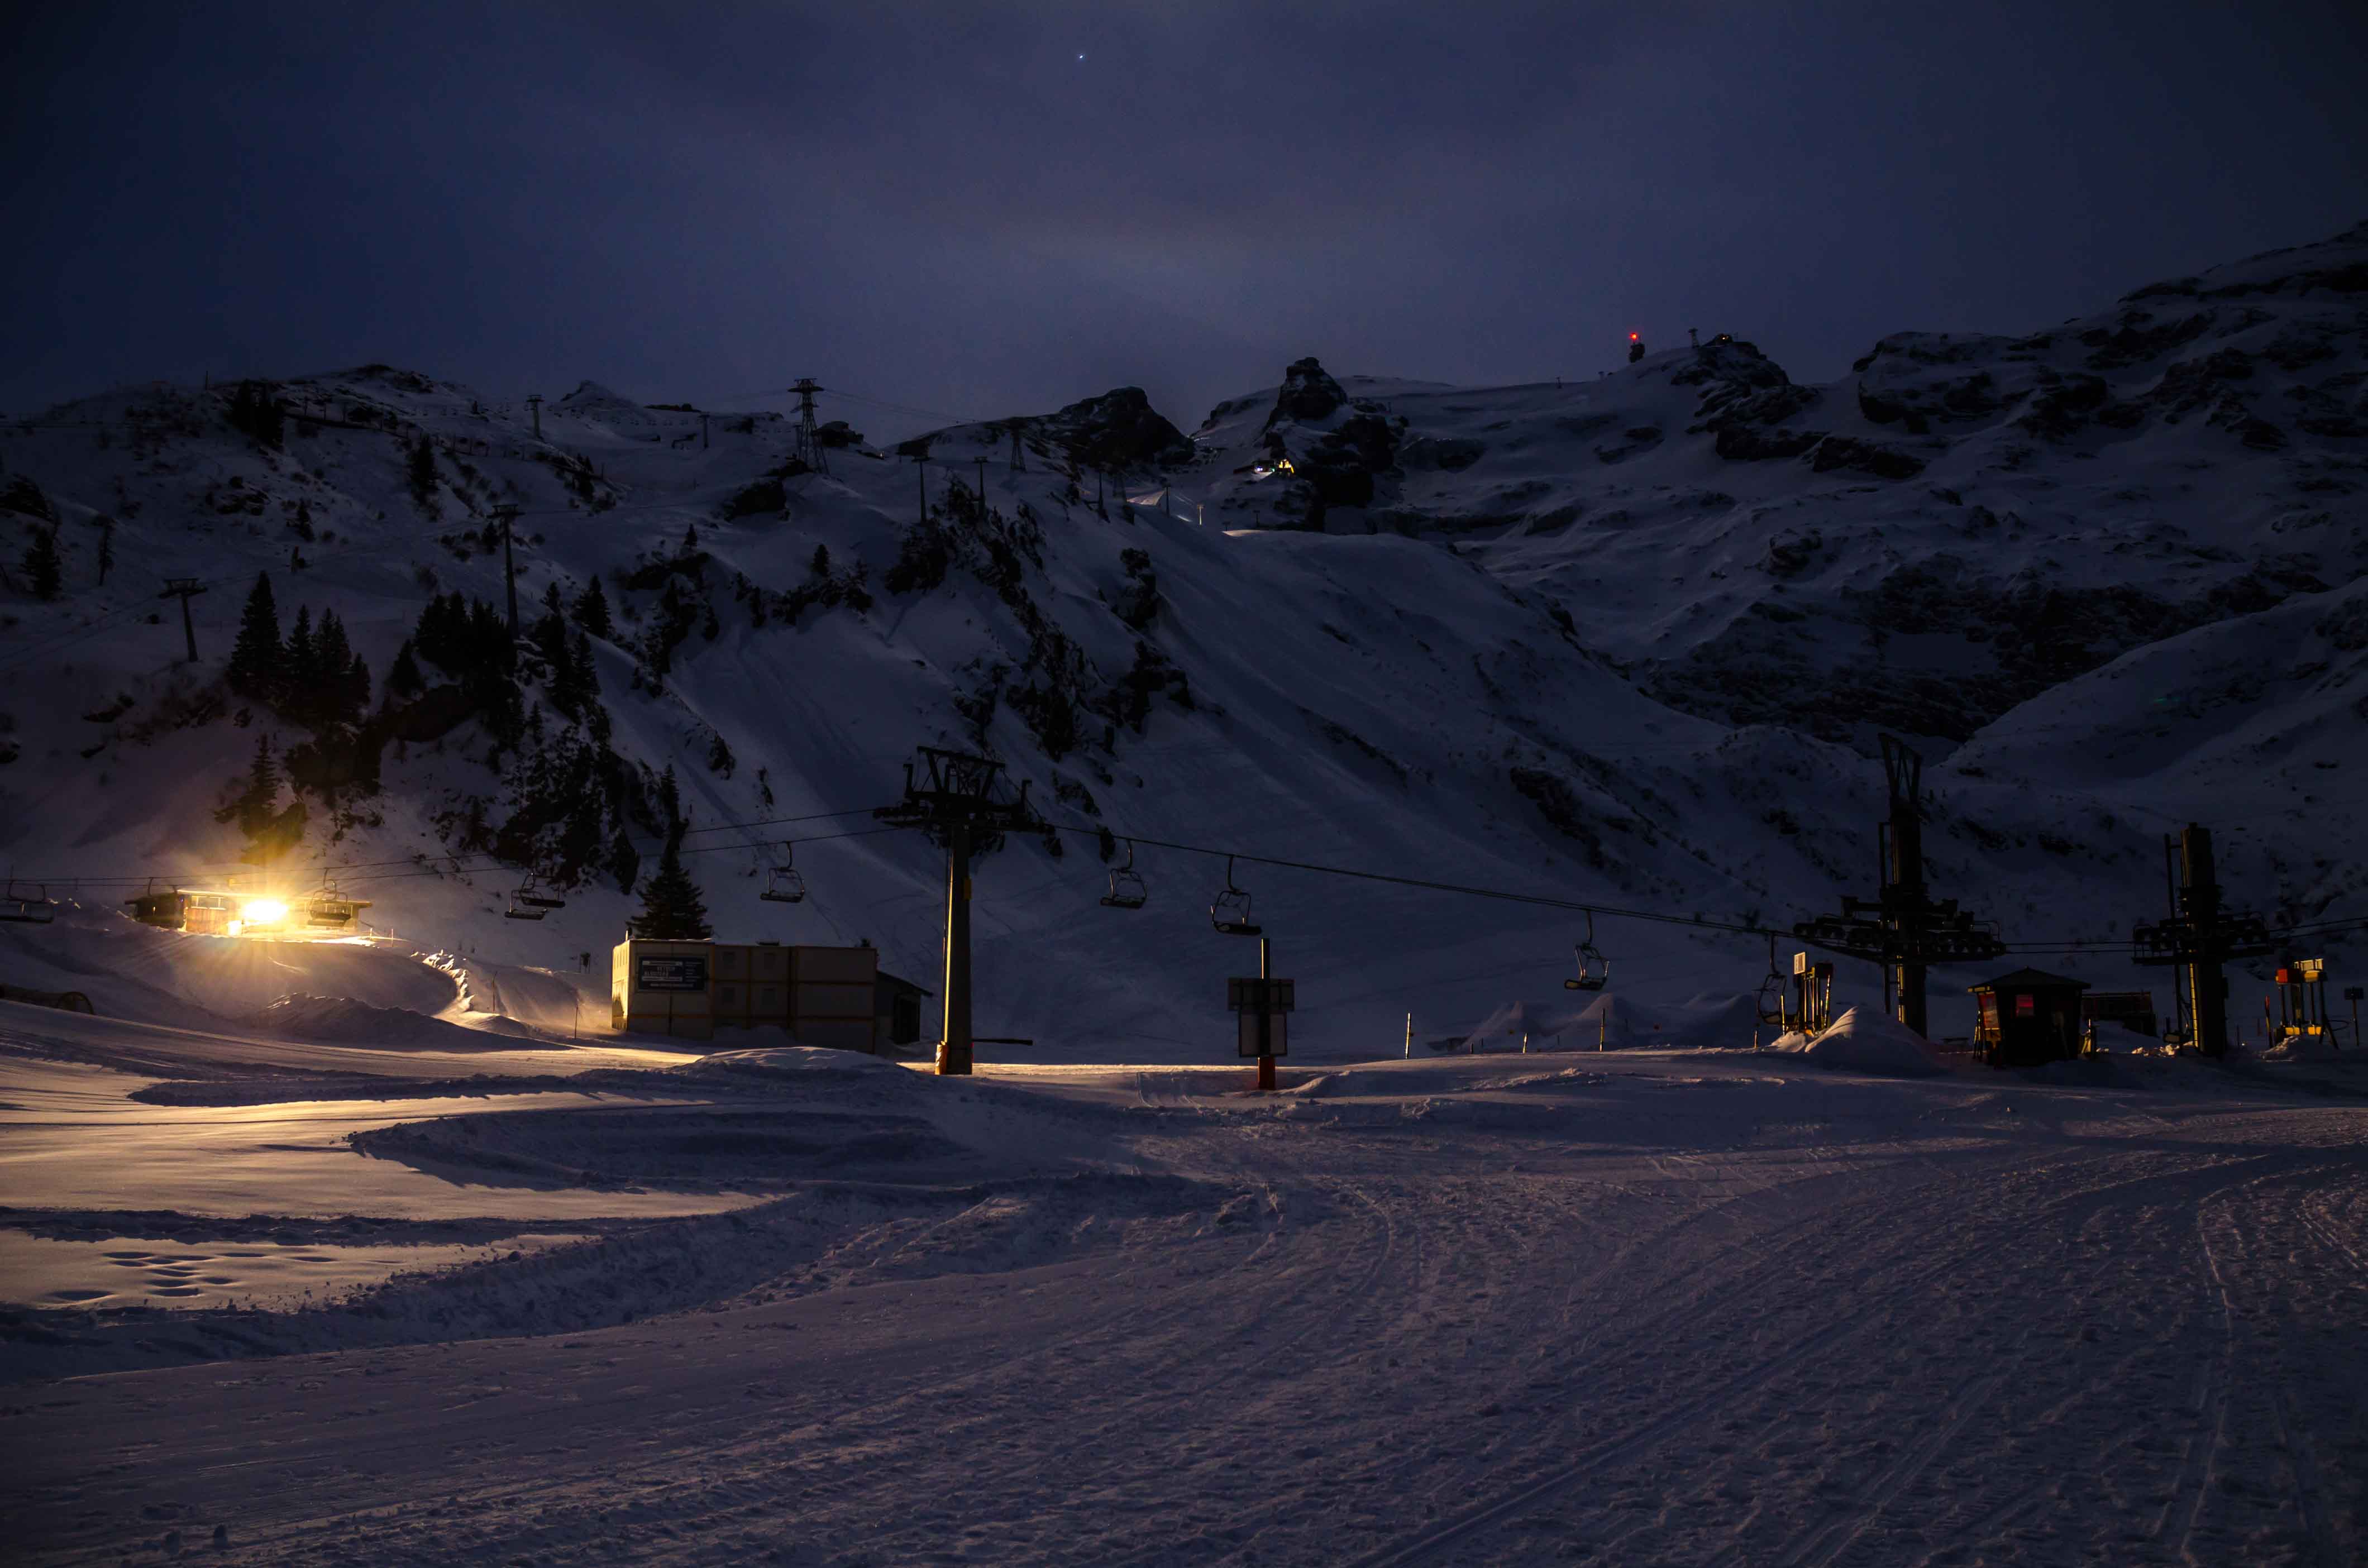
(258, 659)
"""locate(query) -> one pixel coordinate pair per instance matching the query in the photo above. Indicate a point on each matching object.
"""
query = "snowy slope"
(1624, 641)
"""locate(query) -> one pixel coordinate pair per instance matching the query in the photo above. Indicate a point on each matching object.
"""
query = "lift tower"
(2197, 938)
(953, 797)
(1904, 928)
(184, 589)
(808, 441)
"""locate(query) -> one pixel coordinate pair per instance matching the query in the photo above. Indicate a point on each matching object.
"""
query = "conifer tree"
(270, 829)
(402, 677)
(592, 610)
(333, 662)
(672, 910)
(358, 690)
(689, 539)
(105, 546)
(422, 474)
(299, 670)
(821, 564)
(258, 659)
(43, 569)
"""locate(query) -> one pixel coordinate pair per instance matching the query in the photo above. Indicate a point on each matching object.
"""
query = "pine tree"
(672, 910)
(592, 610)
(105, 546)
(821, 566)
(422, 474)
(549, 635)
(689, 539)
(255, 410)
(43, 569)
(299, 670)
(258, 659)
(402, 677)
(358, 690)
(270, 829)
(333, 662)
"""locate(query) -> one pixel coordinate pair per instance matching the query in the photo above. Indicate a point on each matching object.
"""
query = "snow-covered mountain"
(1624, 641)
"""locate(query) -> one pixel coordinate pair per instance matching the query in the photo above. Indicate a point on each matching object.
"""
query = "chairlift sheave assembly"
(1594, 969)
(783, 883)
(1229, 911)
(1126, 889)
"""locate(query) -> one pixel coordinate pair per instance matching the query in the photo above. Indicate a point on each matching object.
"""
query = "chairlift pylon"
(1229, 911)
(1594, 969)
(783, 884)
(1126, 889)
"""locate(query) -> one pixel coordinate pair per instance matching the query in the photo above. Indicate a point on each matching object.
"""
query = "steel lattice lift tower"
(2197, 938)
(954, 799)
(809, 443)
(1904, 928)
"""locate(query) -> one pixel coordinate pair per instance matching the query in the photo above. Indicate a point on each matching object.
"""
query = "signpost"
(1264, 1005)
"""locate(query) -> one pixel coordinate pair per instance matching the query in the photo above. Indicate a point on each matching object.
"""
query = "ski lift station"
(828, 996)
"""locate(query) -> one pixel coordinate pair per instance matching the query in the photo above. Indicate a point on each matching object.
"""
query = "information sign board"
(685, 971)
(1266, 1034)
(1254, 994)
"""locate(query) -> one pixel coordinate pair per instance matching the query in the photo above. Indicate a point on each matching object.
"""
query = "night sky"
(986, 210)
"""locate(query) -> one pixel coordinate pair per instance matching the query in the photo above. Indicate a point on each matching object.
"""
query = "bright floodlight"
(264, 912)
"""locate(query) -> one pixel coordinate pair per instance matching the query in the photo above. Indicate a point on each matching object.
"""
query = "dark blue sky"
(945, 206)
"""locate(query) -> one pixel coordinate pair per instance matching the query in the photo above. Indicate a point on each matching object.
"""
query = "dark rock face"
(1865, 457)
(1308, 394)
(837, 432)
(1742, 443)
(1118, 429)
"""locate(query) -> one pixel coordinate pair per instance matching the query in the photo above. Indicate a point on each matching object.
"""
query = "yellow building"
(689, 990)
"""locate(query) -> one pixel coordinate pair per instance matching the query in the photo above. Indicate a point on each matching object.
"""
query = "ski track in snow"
(1945, 1326)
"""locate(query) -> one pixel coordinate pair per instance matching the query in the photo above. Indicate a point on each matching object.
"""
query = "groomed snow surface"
(1833, 1303)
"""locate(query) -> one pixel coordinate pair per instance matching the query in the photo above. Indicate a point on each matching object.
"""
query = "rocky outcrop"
(1308, 395)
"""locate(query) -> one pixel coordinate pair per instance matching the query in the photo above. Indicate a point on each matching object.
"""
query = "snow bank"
(341, 1020)
(1861, 1042)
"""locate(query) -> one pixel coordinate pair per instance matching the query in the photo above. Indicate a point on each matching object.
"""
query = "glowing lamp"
(264, 912)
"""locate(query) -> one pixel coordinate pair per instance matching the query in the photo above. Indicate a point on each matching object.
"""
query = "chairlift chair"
(532, 894)
(34, 909)
(783, 883)
(1594, 969)
(1229, 911)
(519, 911)
(1126, 889)
(1770, 1001)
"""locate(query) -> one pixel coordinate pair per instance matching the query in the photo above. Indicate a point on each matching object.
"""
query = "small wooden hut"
(2028, 1017)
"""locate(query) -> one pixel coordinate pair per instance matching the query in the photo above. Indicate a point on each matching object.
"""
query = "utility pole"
(509, 564)
(1018, 460)
(982, 489)
(808, 441)
(534, 406)
(184, 589)
(2196, 940)
(921, 474)
(954, 800)
(702, 432)
(1904, 928)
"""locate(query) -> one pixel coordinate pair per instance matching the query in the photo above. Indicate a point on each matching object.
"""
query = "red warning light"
(1633, 337)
